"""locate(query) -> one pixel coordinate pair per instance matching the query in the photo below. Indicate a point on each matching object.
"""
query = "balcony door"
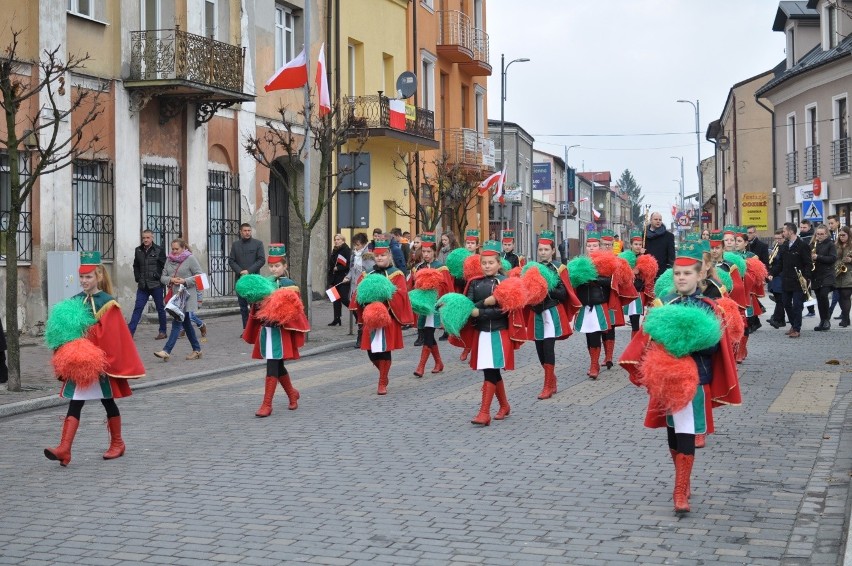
(151, 14)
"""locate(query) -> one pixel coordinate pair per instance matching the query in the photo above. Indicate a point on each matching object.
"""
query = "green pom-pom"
(375, 288)
(423, 301)
(549, 275)
(629, 256)
(506, 265)
(455, 262)
(725, 279)
(455, 311)
(738, 260)
(254, 287)
(69, 320)
(683, 328)
(581, 270)
(665, 284)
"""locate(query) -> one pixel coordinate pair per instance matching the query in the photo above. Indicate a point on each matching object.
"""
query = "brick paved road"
(352, 478)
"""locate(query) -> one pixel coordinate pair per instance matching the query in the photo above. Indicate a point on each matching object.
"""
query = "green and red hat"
(729, 229)
(742, 231)
(89, 261)
(607, 235)
(547, 237)
(689, 253)
(277, 253)
(427, 239)
(716, 237)
(593, 237)
(471, 236)
(491, 247)
(381, 245)
(636, 235)
(507, 236)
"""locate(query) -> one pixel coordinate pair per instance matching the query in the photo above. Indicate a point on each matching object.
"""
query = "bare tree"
(32, 95)
(281, 147)
(453, 191)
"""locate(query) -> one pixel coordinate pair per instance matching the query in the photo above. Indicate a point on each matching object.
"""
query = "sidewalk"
(223, 352)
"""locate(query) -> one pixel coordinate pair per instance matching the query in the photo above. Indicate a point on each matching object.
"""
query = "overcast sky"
(618, 67)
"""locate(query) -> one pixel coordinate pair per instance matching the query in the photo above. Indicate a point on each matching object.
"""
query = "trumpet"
(774, 253)
(806, 287)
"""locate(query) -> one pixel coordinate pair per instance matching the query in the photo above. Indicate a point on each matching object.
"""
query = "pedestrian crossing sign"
(812, 210)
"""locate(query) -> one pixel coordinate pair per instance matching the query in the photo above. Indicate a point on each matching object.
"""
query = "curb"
(20, 407)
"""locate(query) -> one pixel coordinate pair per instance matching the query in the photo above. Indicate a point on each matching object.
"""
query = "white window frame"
(835, 133)
(428, 4)
(215, 31)
(791, 46)
(428, 66)
(811, 125)
(479, 107)
(830, 37)
(158, 15)
(791, 132)
(74, 8)
(284, 36)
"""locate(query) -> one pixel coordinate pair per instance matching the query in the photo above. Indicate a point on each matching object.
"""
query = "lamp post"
(682, 206)
(695, 106)
(572, 201)
(504, 68)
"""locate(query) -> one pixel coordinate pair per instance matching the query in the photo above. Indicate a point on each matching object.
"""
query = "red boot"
(464, 354)
(547, 391)
(700, 440)
(505, 409)
(742, 350)
(595, 367)
(266, 406)
(116, 444)
(674, 454)
(63, 451)
(484, 416)
(292, 392)
(609, 347)
(424, 357)
(683, 470)
(384, 370)
(436, 353)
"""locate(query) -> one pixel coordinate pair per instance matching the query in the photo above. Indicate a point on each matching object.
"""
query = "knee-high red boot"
(63, 451)
(505, 409)
(116, 444)
(683, 470)
(439, 364)
(484, 416)
(742, 351)
(268, 393)
(464, 354)
(674, 454)
(384, 370)
(424, 357)
(292, 392)
(594, 367)
(609, 348)
(549, 378)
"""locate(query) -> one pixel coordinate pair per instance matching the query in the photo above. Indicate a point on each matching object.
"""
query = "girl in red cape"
(713, 368)
(110, 334)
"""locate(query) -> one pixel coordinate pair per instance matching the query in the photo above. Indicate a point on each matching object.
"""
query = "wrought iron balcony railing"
(172, 54)
(812, 161)
(481, 47)
(792, 170)
(455, 28)
(373, 111)
(840, 156)
(465, 146)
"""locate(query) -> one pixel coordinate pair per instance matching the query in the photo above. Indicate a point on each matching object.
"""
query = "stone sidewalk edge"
(21, 407)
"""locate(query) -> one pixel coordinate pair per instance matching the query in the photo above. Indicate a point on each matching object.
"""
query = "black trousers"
(546, 351)
(492, 376)
(778, 313)
(823, 297)
(75, 408)
(683, 443)
(593, 339)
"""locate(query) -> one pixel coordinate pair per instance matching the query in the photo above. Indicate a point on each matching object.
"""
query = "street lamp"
(503, 71)
(695, 106)
(681, 180)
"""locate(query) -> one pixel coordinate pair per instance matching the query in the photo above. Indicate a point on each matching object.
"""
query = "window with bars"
(161, 202)
(94, 207)
(24, 237)
(223, 221)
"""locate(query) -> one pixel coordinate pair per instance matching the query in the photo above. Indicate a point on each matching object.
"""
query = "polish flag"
(596, 214)
(202, 282)
(342, 260)
(397, 114)
(495, 180)
(332, 294)
(293, 74)
(584, 199)
(322, 84)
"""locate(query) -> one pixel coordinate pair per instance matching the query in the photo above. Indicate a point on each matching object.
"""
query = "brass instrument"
(841, 266)
(774, 253)
(645, 225)
(813, 251)
(806, 289)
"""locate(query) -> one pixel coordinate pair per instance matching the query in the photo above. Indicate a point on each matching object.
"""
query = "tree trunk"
(13, 337)
(303, 276)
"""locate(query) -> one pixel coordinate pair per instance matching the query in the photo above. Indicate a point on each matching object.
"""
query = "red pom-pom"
(536, 286)
(511, 294)
(754, 265)
(622, 277)
(647, 266)
(80, 361)
(472, 267)
(515, 271)
(671, 382)
(375, 316)
(281, 307)
(428, 279)
(606, 263)
(731, 318)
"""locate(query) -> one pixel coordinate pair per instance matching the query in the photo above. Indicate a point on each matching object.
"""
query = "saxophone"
(841, 267)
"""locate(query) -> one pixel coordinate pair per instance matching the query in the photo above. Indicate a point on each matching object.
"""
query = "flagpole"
(307, 187)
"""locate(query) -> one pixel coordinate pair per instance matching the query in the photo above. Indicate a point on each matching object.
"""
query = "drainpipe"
(774, 170)
(332, 55)
(736, 166)
(416, 153)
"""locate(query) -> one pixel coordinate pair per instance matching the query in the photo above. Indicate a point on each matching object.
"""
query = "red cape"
(399, 307)
(469, 334)
(112, 336)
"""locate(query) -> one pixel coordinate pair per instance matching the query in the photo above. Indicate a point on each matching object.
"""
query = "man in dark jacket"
(806, 234)
(756, 246)
(396, 251)
(795, 258)
(148, 262)
(660, 243)
(247, 256)
(824, 256)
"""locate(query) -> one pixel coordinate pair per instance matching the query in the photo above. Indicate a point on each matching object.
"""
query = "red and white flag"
(322, 84)
(342, 260)
(596, 214)
(397, 114)
(201, 282)
(294, 74)
(332, 294)
(494, 181)
(584, 199)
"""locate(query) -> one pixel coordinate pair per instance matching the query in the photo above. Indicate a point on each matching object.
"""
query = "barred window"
(94, 207)
(25, 232)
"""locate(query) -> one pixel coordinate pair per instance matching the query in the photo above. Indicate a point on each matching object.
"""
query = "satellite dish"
(406, 84)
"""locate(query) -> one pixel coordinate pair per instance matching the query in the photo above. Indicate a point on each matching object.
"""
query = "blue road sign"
(812, 210)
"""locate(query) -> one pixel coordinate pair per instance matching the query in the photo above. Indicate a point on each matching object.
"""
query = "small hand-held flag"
(202, 282)
(342, 260)
(294, 74)
(322, 84)
(332, 294)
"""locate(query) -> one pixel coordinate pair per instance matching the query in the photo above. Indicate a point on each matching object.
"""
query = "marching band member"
(508, 237)
(442, 284)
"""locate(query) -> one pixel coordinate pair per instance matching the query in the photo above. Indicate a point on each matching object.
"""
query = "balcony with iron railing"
(468, 148)
(181, 67)
(480, 66)
(811, 161)
(792, 169)
(454, 36)
(370, 116)
(840, 156)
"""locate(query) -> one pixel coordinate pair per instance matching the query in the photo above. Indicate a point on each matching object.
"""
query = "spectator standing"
(396, 251)
(247, 256)
(563, 251)
(756, 246)
(660, 243)
(4, 369)
(148, 262)
(377, 233)
(360, 262)
(449, 242)
(338, 267)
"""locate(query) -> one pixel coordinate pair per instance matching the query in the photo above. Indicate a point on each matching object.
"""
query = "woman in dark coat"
(338, 268)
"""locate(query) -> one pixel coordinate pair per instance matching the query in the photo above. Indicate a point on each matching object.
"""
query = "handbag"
(177, 304)
(169, 293)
